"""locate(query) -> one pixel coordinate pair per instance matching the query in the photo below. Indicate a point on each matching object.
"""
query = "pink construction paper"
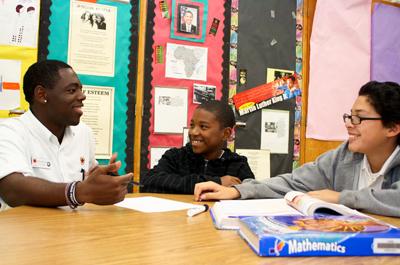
(214, 69)
(339, 64)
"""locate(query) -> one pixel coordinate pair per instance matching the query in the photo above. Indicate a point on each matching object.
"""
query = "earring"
(45, 101)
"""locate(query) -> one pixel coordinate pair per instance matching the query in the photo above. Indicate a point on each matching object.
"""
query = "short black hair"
(385, 98)
(222, 111)
(43, 73)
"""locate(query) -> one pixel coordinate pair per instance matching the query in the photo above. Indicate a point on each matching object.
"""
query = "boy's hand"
(213, 191)
(325, 195)
(229, 181)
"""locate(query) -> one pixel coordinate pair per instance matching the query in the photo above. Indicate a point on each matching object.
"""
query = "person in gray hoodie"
(362, 173)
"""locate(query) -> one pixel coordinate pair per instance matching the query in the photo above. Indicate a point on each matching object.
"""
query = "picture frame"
(188, 19)
(192, 13)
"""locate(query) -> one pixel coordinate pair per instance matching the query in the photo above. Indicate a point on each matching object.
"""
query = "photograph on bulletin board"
(189, 20)
(203, 93)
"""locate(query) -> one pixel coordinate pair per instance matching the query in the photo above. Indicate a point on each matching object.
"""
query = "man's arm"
(99, 188)
(16, 190)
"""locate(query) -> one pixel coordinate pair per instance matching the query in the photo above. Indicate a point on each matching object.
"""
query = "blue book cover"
(319, 235)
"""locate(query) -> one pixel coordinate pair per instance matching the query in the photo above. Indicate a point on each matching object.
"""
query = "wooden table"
(113, 235)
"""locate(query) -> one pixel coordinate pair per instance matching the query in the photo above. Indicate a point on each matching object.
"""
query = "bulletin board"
(268, 37)
(167, 42)
(54, 44)
(252, 36)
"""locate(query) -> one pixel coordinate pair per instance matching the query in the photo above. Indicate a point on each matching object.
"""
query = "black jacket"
(180, 169)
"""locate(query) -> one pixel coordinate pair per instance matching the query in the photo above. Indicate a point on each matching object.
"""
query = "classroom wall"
(310, 148)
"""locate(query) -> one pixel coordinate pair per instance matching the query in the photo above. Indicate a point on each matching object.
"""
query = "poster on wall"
(170, 109)
(189, 20)
(10, 74)
(92, 37)
(186, 62)
(264, 95)
(98, 114)
(259, 162)
(155, 155)
(275, 131)
(19, 22)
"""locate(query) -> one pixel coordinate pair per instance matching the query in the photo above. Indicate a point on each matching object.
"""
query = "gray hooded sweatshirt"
(338, 170)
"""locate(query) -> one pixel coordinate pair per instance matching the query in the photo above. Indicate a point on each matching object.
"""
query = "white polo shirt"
(28, 147)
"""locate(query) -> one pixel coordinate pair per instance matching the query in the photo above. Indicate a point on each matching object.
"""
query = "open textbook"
(308, 205)
(225, 213)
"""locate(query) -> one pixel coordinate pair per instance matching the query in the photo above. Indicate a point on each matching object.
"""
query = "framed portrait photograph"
(189, 20)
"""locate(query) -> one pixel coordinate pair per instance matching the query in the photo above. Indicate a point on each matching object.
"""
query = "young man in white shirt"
(47, 155)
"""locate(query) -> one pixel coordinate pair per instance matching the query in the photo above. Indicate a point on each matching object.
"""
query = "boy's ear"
(394, 130)
(227, 133)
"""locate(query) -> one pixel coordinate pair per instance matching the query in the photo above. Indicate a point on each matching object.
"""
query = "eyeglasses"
(355, 119)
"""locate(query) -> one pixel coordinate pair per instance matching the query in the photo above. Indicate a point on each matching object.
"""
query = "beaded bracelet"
(70, 195)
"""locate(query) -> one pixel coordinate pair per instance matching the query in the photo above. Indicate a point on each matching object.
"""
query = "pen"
(132, 182)
(197, 210)
(135, 183)
(83, 174)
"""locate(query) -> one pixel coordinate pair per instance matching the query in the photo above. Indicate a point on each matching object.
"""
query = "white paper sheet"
(92, 38)
(259, 162)
(148, 204)
(10, 73)
(275, 131)
(170, 102)
(155, 155)
(98, 114)
(187, 62)
(19, 20)
(185, 138)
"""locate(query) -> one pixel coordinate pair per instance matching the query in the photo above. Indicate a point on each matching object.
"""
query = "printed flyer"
(266, 94)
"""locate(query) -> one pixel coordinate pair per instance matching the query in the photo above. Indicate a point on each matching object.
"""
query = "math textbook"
(319, 235)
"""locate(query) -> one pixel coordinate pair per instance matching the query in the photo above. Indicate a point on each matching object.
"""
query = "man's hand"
(229, 181)
(101, 188)
(325, 195)
(212, 191)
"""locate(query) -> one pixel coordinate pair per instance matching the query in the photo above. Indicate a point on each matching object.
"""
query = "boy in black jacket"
(204, 158)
